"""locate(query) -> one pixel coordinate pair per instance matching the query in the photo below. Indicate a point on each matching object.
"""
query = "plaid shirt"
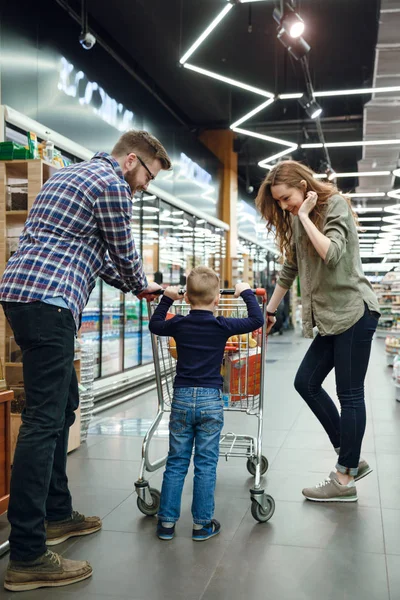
(79, 228)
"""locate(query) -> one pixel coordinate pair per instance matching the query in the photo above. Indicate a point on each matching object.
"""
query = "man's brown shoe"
(49, 570)
(76, 525)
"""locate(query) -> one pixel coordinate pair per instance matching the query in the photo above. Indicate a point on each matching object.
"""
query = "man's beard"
(131, 178)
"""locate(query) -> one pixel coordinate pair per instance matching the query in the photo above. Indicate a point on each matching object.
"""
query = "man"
(79, 228)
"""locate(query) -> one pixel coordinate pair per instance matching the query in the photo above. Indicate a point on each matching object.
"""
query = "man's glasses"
(146, 167)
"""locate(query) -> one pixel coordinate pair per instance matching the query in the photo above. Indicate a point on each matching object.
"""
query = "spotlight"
(290, 21)
(298, 47)
(311, 106)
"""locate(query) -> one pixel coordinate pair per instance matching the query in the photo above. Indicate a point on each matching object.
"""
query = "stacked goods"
(86, 392)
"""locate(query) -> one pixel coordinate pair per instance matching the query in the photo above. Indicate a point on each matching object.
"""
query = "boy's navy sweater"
(201, 338)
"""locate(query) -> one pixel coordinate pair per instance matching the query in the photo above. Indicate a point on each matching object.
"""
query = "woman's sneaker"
(331, 490)
(165, 533)
(207, 531)
(363, 470)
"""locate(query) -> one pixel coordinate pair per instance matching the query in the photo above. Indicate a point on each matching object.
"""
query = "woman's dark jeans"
(348, 353)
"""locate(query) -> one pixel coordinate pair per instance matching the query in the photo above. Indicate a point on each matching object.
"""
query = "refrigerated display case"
(91, 325)
(112, 315)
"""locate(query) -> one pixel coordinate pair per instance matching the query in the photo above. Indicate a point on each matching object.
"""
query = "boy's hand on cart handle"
(150, 293)
(173, 292)
(239, 288)
(269, 324)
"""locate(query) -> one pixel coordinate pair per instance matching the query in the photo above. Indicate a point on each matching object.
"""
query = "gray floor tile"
(344, 527)
(141, 566)
(97, 501)
(391, 529)
(393, 566)
(390, 491)
(110, 474)
(387, 444)
(127, 517)
(252, 569)
(123, 448)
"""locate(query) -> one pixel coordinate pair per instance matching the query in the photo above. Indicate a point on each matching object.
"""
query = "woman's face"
(288, 198)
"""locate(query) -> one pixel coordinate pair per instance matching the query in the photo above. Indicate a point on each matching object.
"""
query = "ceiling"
(343, 35)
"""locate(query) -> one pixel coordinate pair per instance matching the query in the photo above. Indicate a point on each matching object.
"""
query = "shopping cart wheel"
(251, 465)
(260, 514)
(152, 510)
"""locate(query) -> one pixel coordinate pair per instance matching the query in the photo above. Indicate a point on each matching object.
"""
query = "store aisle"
(307, 551)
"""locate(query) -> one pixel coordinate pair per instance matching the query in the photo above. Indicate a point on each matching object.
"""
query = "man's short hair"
(202, 286)
(144, 144)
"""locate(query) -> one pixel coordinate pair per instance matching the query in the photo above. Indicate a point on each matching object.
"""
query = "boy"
(197, 409)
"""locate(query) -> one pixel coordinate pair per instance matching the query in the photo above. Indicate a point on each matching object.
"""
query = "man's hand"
(148, 293)
(173, 292)
(239, 288)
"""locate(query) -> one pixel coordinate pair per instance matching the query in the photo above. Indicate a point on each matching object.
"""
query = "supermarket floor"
(307, 551)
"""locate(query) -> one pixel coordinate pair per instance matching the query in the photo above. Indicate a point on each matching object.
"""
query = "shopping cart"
(243, 371)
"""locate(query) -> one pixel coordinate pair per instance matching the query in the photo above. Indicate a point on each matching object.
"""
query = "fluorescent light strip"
(264, 163)
(228, 80)
(320, 176)
(252, 113)
(347, 144)
(370, 228)
(366, 194)
(359, 209)
(206, 33)
(370, 218)
(267, 138)
(363, 174)
(379, 90)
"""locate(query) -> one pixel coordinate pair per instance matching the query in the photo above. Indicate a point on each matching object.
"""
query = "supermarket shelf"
(386, 332)
(14, 364)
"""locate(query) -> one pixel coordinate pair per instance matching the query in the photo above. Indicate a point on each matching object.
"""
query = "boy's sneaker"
(49, 570)
(363, 470)
(165, 533)
(331, 490)
(207, 531)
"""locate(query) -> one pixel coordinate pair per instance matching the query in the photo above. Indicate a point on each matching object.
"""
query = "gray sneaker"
(363, 470)
(331, 490)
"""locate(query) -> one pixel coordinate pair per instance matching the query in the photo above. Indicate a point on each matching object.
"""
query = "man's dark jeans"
(39, 484)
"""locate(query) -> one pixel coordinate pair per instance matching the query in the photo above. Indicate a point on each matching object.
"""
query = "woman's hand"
(308, 205)
(269, 324)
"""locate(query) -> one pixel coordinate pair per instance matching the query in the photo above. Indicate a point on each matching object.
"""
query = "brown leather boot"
(76, 525)
(49, 570)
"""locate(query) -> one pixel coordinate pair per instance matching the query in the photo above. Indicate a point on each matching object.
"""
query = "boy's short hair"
(202, 286)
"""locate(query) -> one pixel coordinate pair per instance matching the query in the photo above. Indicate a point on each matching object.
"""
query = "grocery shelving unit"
(31, 174)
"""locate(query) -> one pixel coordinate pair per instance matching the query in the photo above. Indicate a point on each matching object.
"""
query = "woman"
(316, 231)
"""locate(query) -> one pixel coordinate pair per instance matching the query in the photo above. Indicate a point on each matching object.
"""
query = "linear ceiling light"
(320, 176)
(370, 218)
(360, 209)
(267, 138)
(265, 163)
(363, 174)
(206, 33)
(396, 172)
(366, 194)
(327, 94)
(228, 80)
(346, 144)
(252, 113)
(394, 194)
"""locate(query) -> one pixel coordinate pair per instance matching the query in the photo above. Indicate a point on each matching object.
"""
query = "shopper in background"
(317, 233)
(79, 228)
(197, 409)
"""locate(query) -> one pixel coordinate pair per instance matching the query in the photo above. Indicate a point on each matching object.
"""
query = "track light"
(311, 106)
(290, 28)
(290, 21)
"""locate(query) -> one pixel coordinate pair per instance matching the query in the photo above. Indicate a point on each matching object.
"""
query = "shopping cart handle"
(257, 292)
(228, 292)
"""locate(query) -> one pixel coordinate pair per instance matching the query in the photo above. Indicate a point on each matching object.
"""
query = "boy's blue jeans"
(196, 419)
